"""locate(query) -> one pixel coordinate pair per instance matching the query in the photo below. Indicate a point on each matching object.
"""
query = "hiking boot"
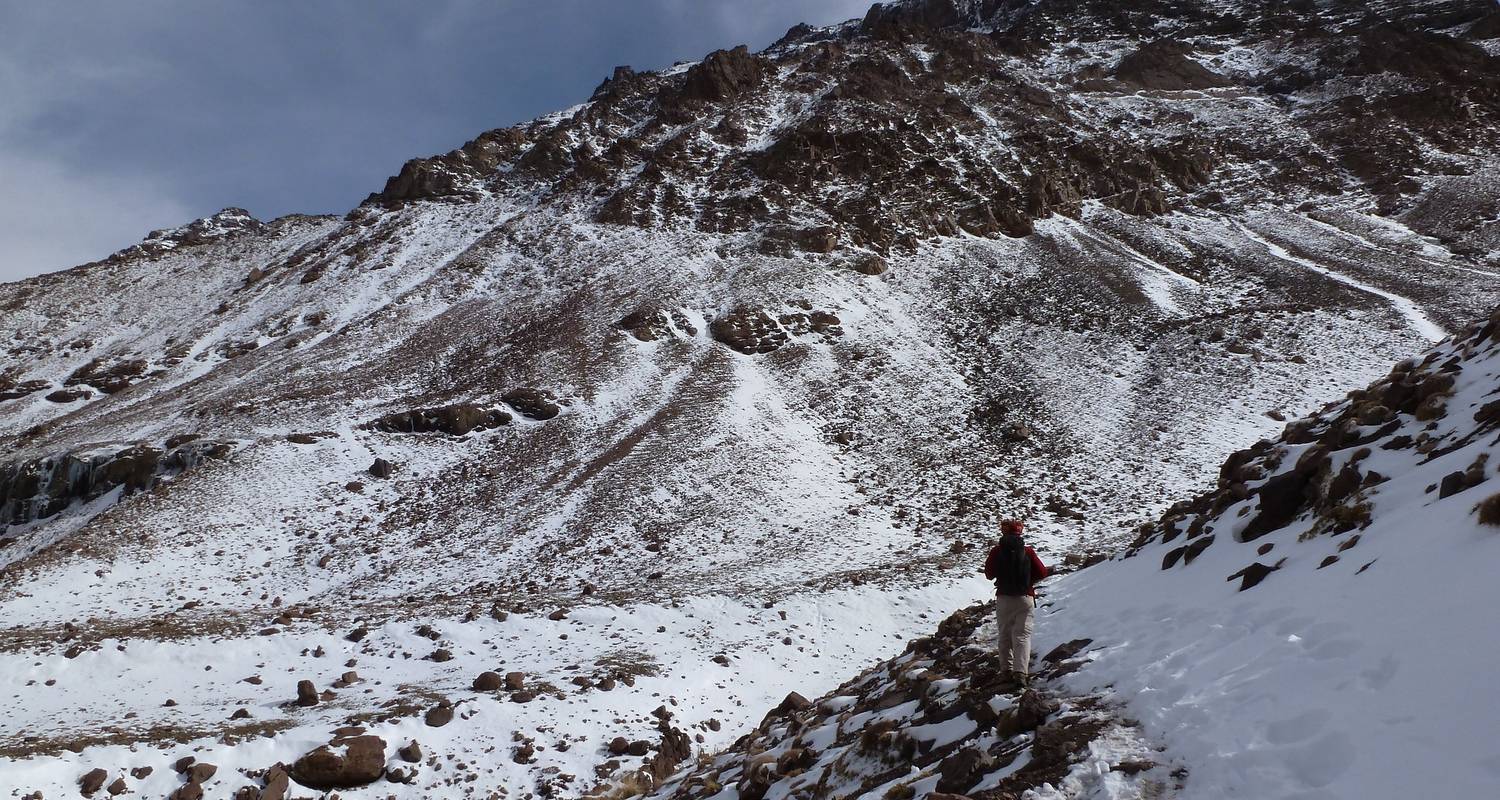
(1020, 679)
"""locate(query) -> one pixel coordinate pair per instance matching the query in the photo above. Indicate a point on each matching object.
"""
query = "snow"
(830, 478)
(1414, 315)
(836, 633)
(1370, 677)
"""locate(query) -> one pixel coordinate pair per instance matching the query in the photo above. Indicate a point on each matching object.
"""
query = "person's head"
(1011, 526)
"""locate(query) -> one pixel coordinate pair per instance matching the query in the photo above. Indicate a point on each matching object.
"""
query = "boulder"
(277, 783)
(344, 763)
(870, 264)
(410, 752)
(1029, 712)
(749, 331)
(307, 693)
(92, 781)
(793, 702)
(455, 420)
(488, 682)
(675, 748)
(963, 769)
(439, 715)
(536, 404)
(1252, 575)
(652, 323)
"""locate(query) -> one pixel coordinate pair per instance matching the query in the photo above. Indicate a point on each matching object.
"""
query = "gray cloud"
(116, 118)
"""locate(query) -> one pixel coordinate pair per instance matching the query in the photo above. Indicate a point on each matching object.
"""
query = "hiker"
(1015, 569)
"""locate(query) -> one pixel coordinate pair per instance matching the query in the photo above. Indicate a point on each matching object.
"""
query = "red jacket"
(1038, 569)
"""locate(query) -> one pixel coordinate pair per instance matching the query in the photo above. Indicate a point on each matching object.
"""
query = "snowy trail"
(1407, 307)
(1372, 245)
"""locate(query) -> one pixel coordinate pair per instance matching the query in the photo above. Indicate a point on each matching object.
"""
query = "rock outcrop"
(346, 762)
(43, 487)
(455, 420)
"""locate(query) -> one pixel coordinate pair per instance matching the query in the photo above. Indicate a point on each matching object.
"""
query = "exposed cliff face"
(40, 488)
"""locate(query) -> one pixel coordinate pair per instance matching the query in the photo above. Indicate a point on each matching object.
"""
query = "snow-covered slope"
(1321, 625)
(771, 327)
(1324, 620)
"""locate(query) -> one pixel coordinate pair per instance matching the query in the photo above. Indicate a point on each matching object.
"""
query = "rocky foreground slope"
(1292, 633)
(790, 327)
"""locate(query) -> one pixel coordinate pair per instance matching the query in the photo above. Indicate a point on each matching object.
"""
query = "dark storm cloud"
(120, 117)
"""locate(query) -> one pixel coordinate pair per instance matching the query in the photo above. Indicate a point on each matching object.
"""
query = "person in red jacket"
(1015, 569)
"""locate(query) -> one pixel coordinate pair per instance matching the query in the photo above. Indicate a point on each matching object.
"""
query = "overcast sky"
(120, 117)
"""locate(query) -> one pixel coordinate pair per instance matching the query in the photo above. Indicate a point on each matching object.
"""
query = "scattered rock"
(188, 791)
(1253, 574)
(92, 781)
(963, 769)
(411, 752)
(439, 715)
(307, 694)
(488, 682)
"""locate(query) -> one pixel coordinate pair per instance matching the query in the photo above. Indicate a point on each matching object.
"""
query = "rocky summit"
(712, 388)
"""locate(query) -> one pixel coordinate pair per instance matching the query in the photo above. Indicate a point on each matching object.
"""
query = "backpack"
(1012, 567)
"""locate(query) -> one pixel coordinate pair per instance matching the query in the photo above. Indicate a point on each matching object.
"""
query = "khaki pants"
(1013, 616)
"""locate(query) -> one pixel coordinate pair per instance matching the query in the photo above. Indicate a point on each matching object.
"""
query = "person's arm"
(989, 564)
(1038, 569)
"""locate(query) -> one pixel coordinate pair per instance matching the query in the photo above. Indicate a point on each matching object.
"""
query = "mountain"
(791, 327)
(1317, 625)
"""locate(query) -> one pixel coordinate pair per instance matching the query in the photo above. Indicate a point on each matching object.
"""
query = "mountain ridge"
(793, 327)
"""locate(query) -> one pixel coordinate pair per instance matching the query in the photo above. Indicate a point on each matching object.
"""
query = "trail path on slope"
(1375, 246)
(1407, 307)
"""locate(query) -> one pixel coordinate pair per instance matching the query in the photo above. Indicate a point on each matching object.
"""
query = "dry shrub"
(632, 784)
(1489, 510)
